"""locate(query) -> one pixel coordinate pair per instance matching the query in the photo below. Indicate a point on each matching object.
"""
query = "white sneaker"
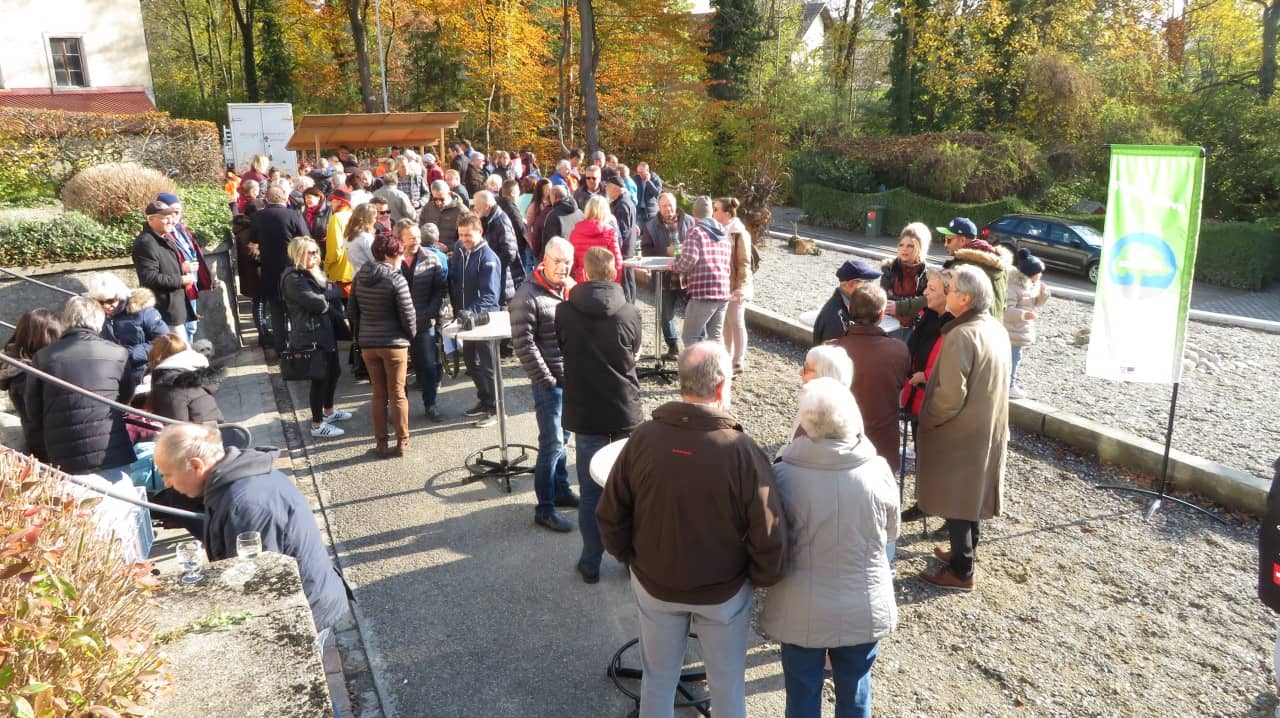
(326, 429)
(1016, 392)
(337, 415)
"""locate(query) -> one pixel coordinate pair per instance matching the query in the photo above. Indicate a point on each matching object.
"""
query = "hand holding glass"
(190, 555)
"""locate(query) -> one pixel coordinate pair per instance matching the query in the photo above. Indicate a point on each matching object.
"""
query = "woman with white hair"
(837, 598)
(132, 320)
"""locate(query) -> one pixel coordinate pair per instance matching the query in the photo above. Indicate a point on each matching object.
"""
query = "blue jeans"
(589, 497)
(850, 667)
(550, 475)
(426, 364)
(1013, 368)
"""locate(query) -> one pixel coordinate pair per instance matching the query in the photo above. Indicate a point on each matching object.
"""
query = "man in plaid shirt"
(704, 260)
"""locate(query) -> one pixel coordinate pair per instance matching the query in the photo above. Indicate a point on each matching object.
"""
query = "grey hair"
(102, 286)
(597, 155)
(83, 313)
(304, 182)
(430, 233)
(828, 410)
(969, 280)
(440, 186)
(478, 156)
(831, 362)
(563, 165)
(564, 245)
(559, 192)
(703, 367)
(493, 183)
(181, 443)
(484, 197)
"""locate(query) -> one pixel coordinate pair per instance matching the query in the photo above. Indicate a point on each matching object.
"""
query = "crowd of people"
(376, 254)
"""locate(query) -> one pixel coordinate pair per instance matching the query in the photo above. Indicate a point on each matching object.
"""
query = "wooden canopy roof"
(384, 129)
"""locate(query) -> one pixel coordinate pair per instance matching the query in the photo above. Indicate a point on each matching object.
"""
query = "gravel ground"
(1082, 608)
(1228, 407)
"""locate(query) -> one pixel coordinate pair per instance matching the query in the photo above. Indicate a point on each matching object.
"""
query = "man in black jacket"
(565, 214)
(161, 268)
(624, 213)
(429, 287)
(533, 331)
(648, 188)
(501, 238)
(243, 491)
(833, 319)
(599, 337)
(275, 226)
(76, 433)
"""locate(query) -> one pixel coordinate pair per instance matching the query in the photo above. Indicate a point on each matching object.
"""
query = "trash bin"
(875, 220)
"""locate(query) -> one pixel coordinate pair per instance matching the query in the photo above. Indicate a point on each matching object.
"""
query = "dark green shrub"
(834, 172)
(69, 237)
(1238, 254)
(204, 211)
(845, 210)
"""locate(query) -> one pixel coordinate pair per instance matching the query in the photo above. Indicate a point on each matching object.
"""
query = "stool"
(619, 673)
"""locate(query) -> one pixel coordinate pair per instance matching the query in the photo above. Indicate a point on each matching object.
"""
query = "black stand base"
(619, 673)
(503, 469)
(1160, 498)
(658, 371)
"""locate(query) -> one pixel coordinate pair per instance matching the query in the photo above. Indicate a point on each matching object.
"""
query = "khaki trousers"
(387, 368)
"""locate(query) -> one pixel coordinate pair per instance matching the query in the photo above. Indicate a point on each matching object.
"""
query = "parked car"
(1059, 243)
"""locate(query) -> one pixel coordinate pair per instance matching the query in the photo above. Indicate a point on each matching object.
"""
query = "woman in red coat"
(595, 230)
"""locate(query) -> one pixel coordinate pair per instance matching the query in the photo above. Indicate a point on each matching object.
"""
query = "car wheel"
(1091, 272)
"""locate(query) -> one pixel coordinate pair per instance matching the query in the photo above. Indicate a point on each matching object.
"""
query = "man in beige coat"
(964, 426)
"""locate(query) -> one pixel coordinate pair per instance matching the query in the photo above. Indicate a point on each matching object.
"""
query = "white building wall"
(111, 38)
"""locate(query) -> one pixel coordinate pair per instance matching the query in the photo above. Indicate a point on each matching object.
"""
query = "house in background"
(77, 55)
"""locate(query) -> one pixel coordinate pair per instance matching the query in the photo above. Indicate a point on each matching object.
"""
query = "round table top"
(499, 327)
(602, 463)
(659, 264)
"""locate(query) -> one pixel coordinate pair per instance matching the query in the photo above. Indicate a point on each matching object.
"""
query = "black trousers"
(279, 322)
(964, 546)
(323, 390)
(629, 284)
(480, 362)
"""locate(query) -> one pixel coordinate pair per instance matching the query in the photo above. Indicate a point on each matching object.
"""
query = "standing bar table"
(600, 468)
(656, 266)
(502, 466)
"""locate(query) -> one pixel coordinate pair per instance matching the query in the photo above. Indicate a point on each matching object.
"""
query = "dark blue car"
(1059, 243)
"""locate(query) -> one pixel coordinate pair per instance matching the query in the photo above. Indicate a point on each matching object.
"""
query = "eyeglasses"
(385, 214)
(312, 252)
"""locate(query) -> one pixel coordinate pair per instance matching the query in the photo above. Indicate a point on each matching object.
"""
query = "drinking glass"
(190, 554)
(248, 545)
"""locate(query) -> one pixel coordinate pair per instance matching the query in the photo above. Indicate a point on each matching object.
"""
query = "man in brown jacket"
(880, 365)
(691, 506)
(964, 426)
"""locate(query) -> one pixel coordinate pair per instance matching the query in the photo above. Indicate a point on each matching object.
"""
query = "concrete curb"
(1228, 320)
(1227, 486)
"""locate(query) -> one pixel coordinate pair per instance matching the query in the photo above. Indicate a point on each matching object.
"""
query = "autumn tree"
(275, 64)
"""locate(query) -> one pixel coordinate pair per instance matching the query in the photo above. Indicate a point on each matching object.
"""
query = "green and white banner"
(1148, 258)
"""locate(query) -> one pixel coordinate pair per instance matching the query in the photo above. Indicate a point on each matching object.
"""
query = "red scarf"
(561, 291)
(908, 283)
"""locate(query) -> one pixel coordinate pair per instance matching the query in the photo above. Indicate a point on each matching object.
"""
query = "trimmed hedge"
(74, 237)
(41, 149)
(1238, 254)
(844, 210)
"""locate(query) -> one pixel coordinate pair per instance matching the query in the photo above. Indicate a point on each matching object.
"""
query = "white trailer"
(262, 129)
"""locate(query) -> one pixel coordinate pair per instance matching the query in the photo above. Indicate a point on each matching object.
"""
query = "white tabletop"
(602, 463)
(888, 324)
(661, 264)
(499, 327)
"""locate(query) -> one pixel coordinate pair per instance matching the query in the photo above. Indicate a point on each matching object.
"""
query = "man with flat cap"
(833, 319)
(960, 237)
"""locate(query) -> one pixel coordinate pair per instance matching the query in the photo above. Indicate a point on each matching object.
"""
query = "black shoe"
(553, 522)
(567, 501)
(912, 514)
(588, 575)
(477, 410)
(434, 415)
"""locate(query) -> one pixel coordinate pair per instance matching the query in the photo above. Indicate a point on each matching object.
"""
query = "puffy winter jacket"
(1024, 296)
(593, 233)
(79, 434)
(600, 335)
(134, 326)
(428, 287)
(560, 221)
(14, 381)
(382, 308)
(501, 238)
(533, 329)
(183, 388)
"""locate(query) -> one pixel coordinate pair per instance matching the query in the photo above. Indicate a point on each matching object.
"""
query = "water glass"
(190, 555)
(248, 545)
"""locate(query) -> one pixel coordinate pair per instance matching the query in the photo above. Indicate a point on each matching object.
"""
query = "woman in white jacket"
(842, 509)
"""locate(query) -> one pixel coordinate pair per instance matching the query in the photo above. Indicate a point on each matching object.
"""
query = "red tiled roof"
(112, 100)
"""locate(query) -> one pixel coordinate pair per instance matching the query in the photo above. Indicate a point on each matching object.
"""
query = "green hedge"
(1238, 254)
(68, 237)
(204, 210)
(845, 210)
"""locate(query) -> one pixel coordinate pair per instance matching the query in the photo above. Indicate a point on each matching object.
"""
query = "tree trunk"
(590, 55)
(195, 56)
(1270, 33)
(360, 38)
(245, 21)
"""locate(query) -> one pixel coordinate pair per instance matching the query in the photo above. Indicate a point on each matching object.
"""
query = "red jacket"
(593, 233)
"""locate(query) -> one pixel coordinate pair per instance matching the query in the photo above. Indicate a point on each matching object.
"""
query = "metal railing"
(234, 431)
(46, 285)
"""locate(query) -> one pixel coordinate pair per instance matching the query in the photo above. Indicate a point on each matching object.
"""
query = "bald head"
(705, 374)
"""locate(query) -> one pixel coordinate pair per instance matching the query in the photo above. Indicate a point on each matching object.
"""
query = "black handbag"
(305, 364)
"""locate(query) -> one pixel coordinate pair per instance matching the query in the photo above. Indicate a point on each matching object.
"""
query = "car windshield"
(1088, 234)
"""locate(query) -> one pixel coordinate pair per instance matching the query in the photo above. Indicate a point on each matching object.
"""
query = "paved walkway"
(1205, 297)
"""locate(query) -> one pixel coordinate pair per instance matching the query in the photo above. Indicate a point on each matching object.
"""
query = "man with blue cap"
(833, 319)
